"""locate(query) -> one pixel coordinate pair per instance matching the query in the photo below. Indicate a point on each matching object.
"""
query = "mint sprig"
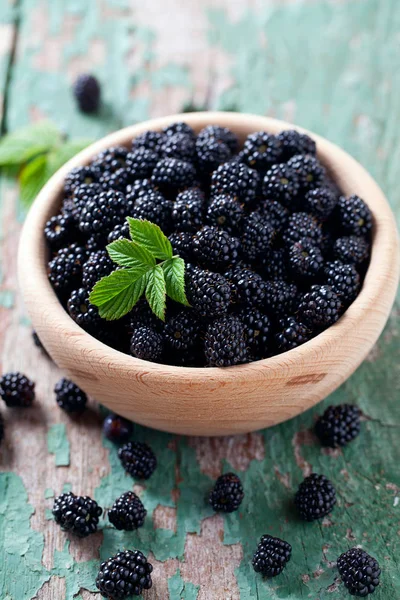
(146, 265)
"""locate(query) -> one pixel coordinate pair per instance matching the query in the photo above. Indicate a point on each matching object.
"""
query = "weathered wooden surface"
(331, 66)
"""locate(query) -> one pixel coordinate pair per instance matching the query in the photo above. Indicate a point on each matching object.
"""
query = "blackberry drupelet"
(207, 292)
(127, 512)
(117, 429)
(179, 127)
(257, 328)
(339, 425)
(272, 265)
(309, 170)
(65, 269)
(124, 575)
(292, 333)
(115, 180)
(82, 311)
(302, 225)
(140, 163)
(87, 93)
(69, 396)
(77, 177)
(155, 208)
(293, 142)
(215, 248)
(98, 265)
(320, 202)
(276, 213)
(146, 344)
(261, 150)
(237, 180)
(280, 297)
(103, 212)
(320, 307)
(305, 259)
(182, 330)
(227, 494)
(315, 497)
(210, 154)
(225, 343)
(281, 183)
(343, 279)
(180, 145)
(17, 390)
(120, 232)
(351, 249)
(354, 215)
(257, 236)
(271, 556)
(188, 210)
(151, 140)
(222, 135)
(182, 244)
(172, 174)
(359, 571)
(225, 212)
(247, 286)
(110, 160)
(77, 514)
(138, 459)
(59, 230)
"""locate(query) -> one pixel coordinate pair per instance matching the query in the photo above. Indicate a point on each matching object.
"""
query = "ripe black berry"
(309, 170)
(146, 344)
(281, 183)
(103, 212)
(182, 331)
(127, 512)
(208, 293)
(257, 329)
(320, 202)
(302, 225)
(315, 497)
(292, 333)
(225, 342)
(172, 174)
(110, 160)
(247, 286)
(155, 208)
(261, 150)
(320, 307)
(65, 269)
(293, 142)
(117, 429)
(227, 494)
(182, 244)
(215, 248)
(79, 176)
(151, 140)
(138, 459)
(359, 571)
(225, 212)
(271, 556)
(17, 390)
(237, 180)
(77, 514)
(339, 425)
(98, 265)
(305, 259)
(87, 93)
(276, 213)
(124, 575)
(210, 154)
(272, 264)
(180, 145)
(140, 163)
(179, 127)
(343, 279)
(351, 249)
(69, 396)
(222, 135)
(258, 236)
(59, 230)
(188, 210)
(82, 311)
(280, 297)
(354, 215)
(120, 232)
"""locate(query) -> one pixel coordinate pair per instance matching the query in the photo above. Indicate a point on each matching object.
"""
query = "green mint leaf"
(21, 145)
(58, 156)
(174, 272)
(156, 291)
(32, 179)
(116, 294)
(129, 254)
(150, 236)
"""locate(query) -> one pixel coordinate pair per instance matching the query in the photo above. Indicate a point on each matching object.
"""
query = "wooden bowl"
(213, 401)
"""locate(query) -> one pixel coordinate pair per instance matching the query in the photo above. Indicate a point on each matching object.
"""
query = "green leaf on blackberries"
(174, 273)
(150, 236)
(156, 291)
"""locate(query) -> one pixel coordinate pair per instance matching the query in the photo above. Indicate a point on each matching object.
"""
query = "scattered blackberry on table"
(155, 208)
(151, 140)
(309, 170)
(359, 571)
(120, 232)
(271, 556)
(292, 333)
(215, 248)
(110, 160)
(315, 497)
(293, 142)
(127, 512)
(219, 134)
(180, 145)
(117, 429)
(138, 459)
(281, 183)
(82, 311)
(172, 174)
(182, 331)
(207, 292)
(69, 396)
(351, 249)
(77, 514)
(257, 236)
(280, 297)
(210, 154)
(227, 494)
(98, 265)
(343, 279)
(146, 344)
(225, 212)
(225, 342)
(178, 127)
(103, 212)
(182, 244)
(87, 93)
(124, 575)
(188, 210)
(59, 229)
(78, 176)
(261, 150)
(247, 286)
(237, 180)
(320, 307)
(354, 215)
(276, 213)
(140, 163)
(17, 390)
(339, 425)
(305, 259)
(257, 328)
(320, 202)
(302, 225)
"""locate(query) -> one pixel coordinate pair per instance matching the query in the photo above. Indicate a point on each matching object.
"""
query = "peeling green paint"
(179, 590)
(49, 493)
(7, 298)
(58, 444)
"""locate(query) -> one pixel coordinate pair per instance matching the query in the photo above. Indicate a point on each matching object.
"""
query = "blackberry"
(127, 512)
(59, 229)
(1, 429)
(302, 225)
(215, 248)
(155, 208)
(305, 259)
(146, 344)
(354, 215)
(237, 180)
(208, 293)
(117, 429)
(77, 177)
(222, 135)
(179, 127)
(87, 93)
(141, 315)
(276, 213)
(261, 150)
(225, 212)
(65, 269)
(124, 575)
(293, 142)
(151, 140)
(69, 396)
(309, 170)
(182, 244)
(80, 197)
(292, 333)
(77, 514)
(227, 494)
(320, 202)
(172, 174)
(258, 236)
(85, 314)
(257, 328)
(110, 160)
(280, 297)
(138, 459)
(351, 249)
(281, 183)
(138, 189)
(339, 425)
(115, 180)
(210, 154)
(359, 571)
(180, 145)
(120, 232)
(188, 211)
(17, 390)
(272, 265)
(225, 342)
(103, 212)
(247, 286)
(315, 497)
(271, 556)
(343, 279)
(96, 242)
(320, 307)
(182, 331)
(98, 265)
(140, 163)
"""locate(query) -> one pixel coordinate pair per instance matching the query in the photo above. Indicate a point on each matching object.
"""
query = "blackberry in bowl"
(208, 373)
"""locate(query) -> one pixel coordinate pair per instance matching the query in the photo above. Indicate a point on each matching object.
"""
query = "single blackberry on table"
(87, 93)
(225, 343)
(276, 213)
(227, 494)
(339, 425)
(117, 429)
(320, 307)
(85, 314)
(180, 145)
(225, 212)
(320, 202)
(343, 279)
(261, 150)
(182, 331)
(281, 183)
(155, 208)
(69, 396)
(151, 140)
(219, 134)
(257, 328)
(77, 177)
(96, 241)
(138, 459)
(103, 212)
(17, 390)
(146, 344)
(124, 575)
(179, 127)
(98, 265)
(110, 160)
(77, 514)
(272, 265)
(65, 269)
(172, 174)
(309, 170)
(359, 571)
(315, 497)
(215, 248)
(120, 232)
(182, 244)
(271, 556)
(257, 236)
(237, 180)
(292, 333)
(293, 142)
(127, 512)
(280, 297)
(305, 259)
(302, 225)
(351, 249)
(140, 163)
(188, 210)
(59, 230)
(210, 154)
(354, 215)
(247, 286)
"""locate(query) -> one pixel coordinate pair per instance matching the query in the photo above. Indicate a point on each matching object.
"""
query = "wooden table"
(331, 66)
